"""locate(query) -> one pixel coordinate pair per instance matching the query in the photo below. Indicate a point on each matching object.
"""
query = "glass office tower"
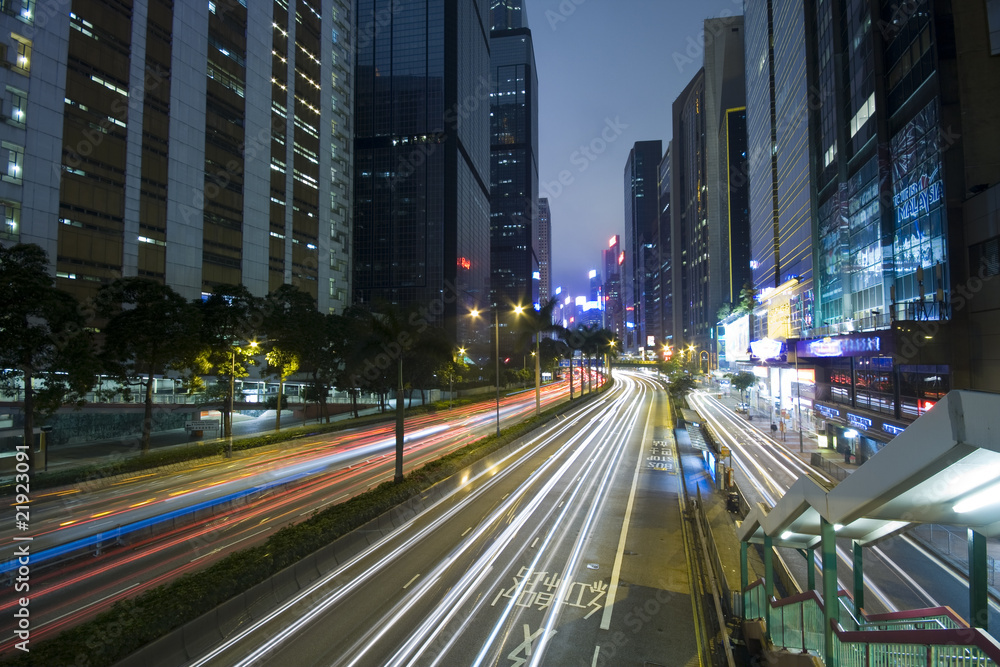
(514, 237)
(641, 272)
(421, 209)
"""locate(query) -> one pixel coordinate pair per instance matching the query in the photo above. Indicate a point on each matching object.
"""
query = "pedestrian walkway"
(810, 447)
(947, 542)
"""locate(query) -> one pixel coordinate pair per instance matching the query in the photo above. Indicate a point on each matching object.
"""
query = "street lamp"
(451, 378)
(518, 310)
(232, 396)
(496, 334)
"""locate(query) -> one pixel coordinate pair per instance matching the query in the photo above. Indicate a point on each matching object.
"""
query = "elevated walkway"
(935, 637)
(944, 469)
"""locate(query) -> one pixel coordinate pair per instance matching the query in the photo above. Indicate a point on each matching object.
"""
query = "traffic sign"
(724, 451)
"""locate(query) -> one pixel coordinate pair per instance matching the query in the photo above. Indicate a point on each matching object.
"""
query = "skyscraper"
(544, 221)
(689, 218)
(666, 258)
(421, 209)
(642, 250)
(195, 144)
(614, 315)
(514, 256)
(778, 164)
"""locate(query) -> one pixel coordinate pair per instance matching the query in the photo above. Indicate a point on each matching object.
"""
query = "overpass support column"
(768, 581)
(979, 611)
(859, 579)
(744, 567)
(831, 606)
(810, 568)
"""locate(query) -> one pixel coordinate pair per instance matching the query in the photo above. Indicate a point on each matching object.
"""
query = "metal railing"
(926, 638)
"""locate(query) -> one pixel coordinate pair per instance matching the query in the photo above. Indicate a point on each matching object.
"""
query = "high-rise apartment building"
(641, 277)
(197, 144)
(544, 222)
(514, 254)
(422, 158)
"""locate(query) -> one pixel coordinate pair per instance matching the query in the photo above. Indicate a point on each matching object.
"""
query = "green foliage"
(742, 380)
(41, 336)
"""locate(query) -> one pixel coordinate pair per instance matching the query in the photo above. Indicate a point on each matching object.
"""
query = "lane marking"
(466, 531)
(534, 542)
(217, 550)
(616, 571)
(411, 581)
(597, 649)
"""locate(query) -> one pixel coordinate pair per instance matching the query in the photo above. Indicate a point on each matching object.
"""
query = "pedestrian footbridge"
(943, 469)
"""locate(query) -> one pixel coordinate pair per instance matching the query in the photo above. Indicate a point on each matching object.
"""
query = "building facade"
(642, 246)
(666, 256)
(544, 222)
(727, 229)
(514, 254)
(689, 204)
(778, 165)
(614, 313)
(421, 208)
(193, 144)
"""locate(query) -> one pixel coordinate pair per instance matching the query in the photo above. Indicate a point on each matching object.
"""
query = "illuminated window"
(23, 60)
(18, 105)
(15, 162)
(10, 230)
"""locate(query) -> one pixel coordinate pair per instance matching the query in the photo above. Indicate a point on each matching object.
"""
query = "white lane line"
(534, 542)
(91, 604)
(412, 580)
(215, 551)
(597, 649)
(616, 571)
(466, 531)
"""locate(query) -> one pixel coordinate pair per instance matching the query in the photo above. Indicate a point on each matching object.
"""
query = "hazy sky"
(608, 73)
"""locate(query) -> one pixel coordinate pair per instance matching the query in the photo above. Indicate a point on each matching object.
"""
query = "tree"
(742, 381)
(533, 323)
(231, 318)
(399, 339)
(41, 337)
(150, 330)
(285, 311)
(679, 386)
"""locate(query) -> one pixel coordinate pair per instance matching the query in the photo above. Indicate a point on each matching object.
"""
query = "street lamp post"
(451, 379)
(538, 372)
(232, 397)
(496, 336)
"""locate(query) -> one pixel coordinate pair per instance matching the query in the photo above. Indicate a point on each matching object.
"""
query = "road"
(567, 553)
(899, 573)
(155, 527)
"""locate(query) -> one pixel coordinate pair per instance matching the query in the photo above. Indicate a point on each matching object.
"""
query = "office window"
(18, 105)
(15, 162)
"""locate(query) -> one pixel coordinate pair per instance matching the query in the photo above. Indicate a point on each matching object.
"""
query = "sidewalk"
(832, 462)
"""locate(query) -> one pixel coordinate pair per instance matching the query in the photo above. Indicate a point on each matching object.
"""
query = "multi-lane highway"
(570, 552)
(100, 542)
(899, 573)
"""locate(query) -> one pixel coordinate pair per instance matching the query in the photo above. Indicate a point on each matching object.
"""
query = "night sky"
(607, 69)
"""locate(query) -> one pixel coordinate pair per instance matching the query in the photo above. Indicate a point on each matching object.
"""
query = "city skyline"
(586, 132)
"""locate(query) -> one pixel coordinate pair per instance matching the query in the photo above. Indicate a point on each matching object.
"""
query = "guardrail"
(934, 637)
